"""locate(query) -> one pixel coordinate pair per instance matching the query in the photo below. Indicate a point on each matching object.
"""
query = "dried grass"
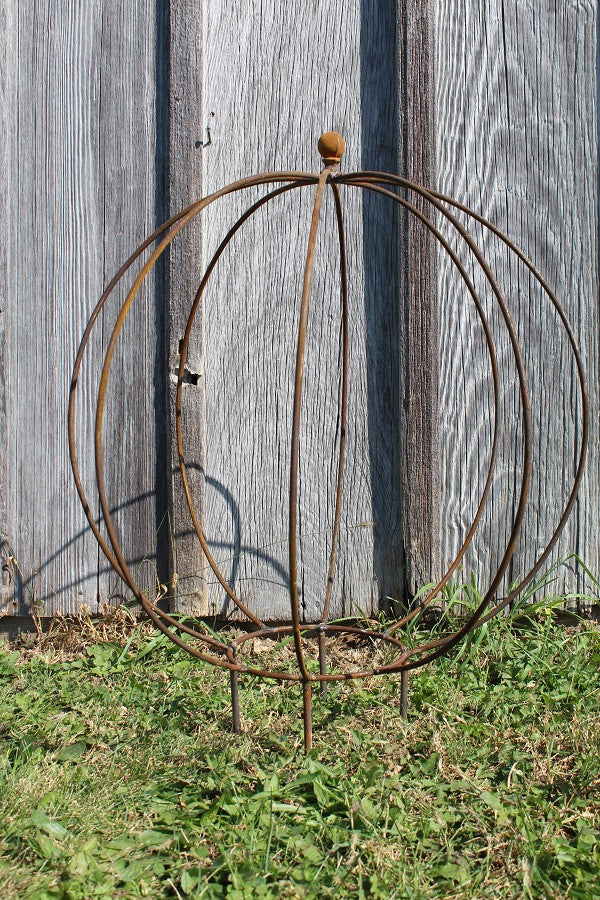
(67, 637)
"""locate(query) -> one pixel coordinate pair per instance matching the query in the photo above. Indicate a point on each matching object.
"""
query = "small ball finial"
(331, 146)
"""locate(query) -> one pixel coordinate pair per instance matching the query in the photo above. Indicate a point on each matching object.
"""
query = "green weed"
(121, 777)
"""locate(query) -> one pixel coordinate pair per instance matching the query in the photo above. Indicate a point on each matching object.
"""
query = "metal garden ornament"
(209, 647)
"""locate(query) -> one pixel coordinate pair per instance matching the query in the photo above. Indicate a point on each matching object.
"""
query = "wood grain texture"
(78, 107)
(188, 123)
(53, 263)
(516, 109)
(7, 105)
(104, 110)
(135, 442)
(418, 325)
(274, 85)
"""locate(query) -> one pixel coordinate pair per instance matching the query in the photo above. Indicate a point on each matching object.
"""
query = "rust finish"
(202, 643)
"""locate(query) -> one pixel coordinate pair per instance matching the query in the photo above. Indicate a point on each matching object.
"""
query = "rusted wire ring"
(343, 404)
(304, 674)
(178, 398)
(441, 645)
(494, 370)
(381, 177)
(156, 616)
(583, 396)
(297, 407)
(304, 178)
(584, 401)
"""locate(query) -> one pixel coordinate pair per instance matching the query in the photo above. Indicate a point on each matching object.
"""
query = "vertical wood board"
(516, 107)
(188, 134)
(418, 325)
(275, 82)
(78, 109)
(54, 231)
(104, 110)
(7, 105)
(135, 445)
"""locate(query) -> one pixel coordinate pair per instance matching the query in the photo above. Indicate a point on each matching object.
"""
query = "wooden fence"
(115, 115)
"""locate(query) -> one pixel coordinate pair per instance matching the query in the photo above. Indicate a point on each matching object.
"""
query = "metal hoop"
(225, 655)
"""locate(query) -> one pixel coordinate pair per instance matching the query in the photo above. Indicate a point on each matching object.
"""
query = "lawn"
(121, 777)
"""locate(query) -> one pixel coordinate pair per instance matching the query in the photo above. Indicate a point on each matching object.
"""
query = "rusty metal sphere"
(331, 146)
(207, 646)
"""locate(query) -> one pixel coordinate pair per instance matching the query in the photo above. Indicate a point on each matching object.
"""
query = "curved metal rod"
(370, 180)
(178, 398)
(71, 419)
(445, 644)
(295, 440)
(316, 630)
(502, 604)
(584, 400)
(75, 379)
(152, 611)
(302, 178)
(495, 381)
(161, 619)
(343, 403)
(453, 639)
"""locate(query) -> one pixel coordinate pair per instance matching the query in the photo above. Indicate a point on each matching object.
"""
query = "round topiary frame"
(225, 655)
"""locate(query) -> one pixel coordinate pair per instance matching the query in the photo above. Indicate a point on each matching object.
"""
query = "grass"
(121, 777)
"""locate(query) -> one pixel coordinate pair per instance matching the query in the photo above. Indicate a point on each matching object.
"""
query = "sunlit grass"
(121, 777)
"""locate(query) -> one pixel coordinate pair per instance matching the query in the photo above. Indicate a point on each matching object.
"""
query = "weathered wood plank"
(7, 116)
(418, 325)
(89, 104)
(79, 110)
(188, 133)
(516, 108)
(53, 263)
(275, 82)
(136, 453)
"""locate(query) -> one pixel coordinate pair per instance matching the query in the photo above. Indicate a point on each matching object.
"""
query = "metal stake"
(322, 664)
(235, 702)
(404, 695)
(307, 714)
